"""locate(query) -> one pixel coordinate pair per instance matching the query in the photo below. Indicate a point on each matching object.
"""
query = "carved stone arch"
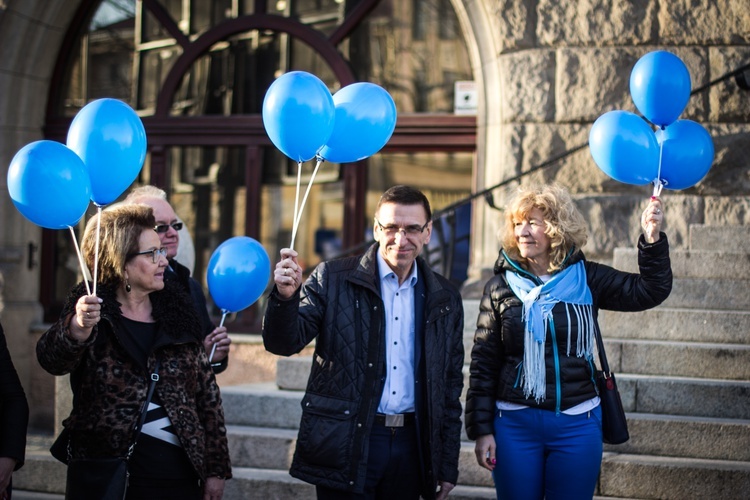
(193, 50)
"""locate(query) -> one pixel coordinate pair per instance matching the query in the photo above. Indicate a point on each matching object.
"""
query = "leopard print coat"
(110, 387)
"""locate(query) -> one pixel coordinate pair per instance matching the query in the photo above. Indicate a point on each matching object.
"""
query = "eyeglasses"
(163, 228)
(156, 253)
(411, 230)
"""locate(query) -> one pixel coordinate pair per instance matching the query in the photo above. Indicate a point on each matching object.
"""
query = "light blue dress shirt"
(398, 392)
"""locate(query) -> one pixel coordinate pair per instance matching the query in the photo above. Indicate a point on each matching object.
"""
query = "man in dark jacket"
(381, 414)
(216, 341)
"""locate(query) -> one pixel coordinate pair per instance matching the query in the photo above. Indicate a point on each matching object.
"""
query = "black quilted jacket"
(497, 355)
(340, 306)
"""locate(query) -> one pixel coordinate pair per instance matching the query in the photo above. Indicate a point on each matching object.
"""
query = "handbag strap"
(144, 409)
(602, 354)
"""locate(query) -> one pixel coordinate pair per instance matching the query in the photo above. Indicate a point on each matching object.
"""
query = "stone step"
(673, 478)
(249, 483)
(728, 263)
(679, 359)
(661, 435)
(703, 293)
(623, 476)
(685, 396)
(670, 324)
(645, 393)
(41, 473)
(703, 237)
(688, 437)
(261, 405)
(265, 405)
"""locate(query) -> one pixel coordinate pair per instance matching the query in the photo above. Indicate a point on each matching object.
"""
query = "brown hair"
(119, 234)
(405, 195)
(564, 223)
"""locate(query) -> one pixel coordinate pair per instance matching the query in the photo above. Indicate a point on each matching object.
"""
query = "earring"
(127, 286)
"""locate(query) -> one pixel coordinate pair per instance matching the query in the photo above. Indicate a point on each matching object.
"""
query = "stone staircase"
(684, 376)
(683, 371)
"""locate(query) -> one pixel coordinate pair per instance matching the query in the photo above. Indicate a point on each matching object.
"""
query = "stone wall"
(563, 64)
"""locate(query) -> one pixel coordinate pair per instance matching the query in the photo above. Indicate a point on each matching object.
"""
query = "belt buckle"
(394, 420)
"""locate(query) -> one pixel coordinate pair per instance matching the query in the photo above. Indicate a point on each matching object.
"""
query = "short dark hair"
(405, 195)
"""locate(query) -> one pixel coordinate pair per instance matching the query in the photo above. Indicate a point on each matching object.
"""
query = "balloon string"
(84, 271)
(224, 313)
(296, 203)
(96, 248)
(304, 200)
(658, 184)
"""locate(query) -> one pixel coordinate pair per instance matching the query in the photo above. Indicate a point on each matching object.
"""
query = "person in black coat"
(532, 404)
(381, 413)
(14, 419)
(216, 340)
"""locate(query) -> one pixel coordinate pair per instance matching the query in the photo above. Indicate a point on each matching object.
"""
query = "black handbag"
(105, 478)
(614, 422)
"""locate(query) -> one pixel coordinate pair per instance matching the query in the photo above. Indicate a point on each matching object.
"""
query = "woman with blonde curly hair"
(532, 405)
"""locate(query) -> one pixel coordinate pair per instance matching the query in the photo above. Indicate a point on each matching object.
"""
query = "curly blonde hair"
(564, 223)
(119, 234)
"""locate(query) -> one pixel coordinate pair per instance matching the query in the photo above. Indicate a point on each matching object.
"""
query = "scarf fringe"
(536, 313)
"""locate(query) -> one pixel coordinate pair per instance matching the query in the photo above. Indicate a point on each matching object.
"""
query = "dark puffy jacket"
(110, 386)
(497, 355)
(341, 306)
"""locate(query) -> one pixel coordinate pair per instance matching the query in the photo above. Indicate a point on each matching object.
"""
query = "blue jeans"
(544, 455)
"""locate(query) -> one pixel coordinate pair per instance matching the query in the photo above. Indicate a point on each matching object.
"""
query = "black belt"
(397, 420)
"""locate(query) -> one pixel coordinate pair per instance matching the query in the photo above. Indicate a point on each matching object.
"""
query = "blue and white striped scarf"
(568, 286)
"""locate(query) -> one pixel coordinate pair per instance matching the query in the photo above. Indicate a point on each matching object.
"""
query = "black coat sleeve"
(485, 366)
(14, 409)
(620, 291)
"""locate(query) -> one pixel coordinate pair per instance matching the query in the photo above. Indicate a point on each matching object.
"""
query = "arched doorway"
(197, 72)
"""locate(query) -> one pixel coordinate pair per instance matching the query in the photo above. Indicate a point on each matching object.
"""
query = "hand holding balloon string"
(651, 220)
(218, 336)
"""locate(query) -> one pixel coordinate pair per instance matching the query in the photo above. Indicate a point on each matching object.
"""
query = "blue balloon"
(298, 114)
(624, 147)
(660, 87)
(238, 273)
(365, 120)
(110, 139)
(687, 154)
(49, 185)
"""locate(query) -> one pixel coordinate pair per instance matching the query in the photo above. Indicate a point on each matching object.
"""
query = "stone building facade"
(546, 69)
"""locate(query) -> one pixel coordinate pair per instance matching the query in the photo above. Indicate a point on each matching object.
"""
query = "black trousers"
(393, 471)
(164, 490)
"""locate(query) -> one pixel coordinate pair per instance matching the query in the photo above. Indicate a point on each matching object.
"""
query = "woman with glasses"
(113, 342)
(532, 405)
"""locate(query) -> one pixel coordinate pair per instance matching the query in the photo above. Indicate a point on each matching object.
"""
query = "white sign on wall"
(465, 100)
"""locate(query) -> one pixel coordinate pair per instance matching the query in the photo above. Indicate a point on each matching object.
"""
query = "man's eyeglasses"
(163, 228)
(156, 253)
(411, 230)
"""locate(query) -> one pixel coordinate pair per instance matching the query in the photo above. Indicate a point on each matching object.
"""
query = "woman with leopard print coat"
(110, 343)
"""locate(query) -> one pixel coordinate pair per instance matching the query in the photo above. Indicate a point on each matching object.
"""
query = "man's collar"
(385, 270)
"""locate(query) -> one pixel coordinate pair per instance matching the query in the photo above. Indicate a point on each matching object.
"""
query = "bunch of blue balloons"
(304, 121)
(678, 154)
(51, 184)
